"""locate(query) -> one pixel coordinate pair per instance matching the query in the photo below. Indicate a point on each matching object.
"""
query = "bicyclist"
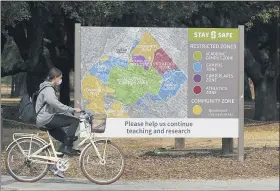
(55, 116)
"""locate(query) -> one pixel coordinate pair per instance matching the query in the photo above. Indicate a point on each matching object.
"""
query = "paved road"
(82, 184)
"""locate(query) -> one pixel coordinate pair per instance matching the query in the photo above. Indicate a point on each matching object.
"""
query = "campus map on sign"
(139, 73)
(162, 82)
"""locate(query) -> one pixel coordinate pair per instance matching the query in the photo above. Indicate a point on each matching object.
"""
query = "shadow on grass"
(194, 153)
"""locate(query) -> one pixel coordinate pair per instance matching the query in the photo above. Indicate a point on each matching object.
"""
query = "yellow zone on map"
(147, 47)
(116, 111)
(94, 91)
(104, 58)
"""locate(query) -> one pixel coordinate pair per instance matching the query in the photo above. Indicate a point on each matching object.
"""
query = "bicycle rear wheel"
(19, 167)
(93, 169)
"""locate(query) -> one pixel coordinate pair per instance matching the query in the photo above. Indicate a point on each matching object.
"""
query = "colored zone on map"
(133, 83)
(171, 84)
(148, 74)
(103, 68)
(162, 62)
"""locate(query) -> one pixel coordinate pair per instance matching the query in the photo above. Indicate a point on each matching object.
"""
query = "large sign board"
(162, 82)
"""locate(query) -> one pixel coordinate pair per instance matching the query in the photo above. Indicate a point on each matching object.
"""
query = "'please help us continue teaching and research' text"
(159, 128)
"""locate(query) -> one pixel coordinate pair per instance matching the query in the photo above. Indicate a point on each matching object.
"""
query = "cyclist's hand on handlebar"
(78, 110)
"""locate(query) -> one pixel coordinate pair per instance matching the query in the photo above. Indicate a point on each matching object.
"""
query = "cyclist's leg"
(58, 134)
(56, 172)
(68, 125)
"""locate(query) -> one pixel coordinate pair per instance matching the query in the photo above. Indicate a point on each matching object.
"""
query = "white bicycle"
(28, 153)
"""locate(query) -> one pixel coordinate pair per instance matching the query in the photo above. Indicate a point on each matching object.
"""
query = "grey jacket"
(53, 105)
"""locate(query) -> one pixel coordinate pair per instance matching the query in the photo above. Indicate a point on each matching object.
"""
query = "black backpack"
(27, 112)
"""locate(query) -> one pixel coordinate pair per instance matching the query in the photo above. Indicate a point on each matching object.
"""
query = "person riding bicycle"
(55, 116)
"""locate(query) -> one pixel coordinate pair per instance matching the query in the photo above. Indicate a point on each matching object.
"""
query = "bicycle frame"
(53, 159)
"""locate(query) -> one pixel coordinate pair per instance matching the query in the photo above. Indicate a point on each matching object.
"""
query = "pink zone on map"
(141, 61)
(162, 62)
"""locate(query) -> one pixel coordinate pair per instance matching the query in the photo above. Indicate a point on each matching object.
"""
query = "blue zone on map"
(169, 87)
(135, 43)
(102, 70)
(141, 103)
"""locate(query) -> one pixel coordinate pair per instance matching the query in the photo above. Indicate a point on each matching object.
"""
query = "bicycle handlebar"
(84, 112)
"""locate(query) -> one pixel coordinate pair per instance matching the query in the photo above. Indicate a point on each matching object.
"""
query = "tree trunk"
(278, 89)
(65, 87)
(39, 68)
(34, 79)
(35, 35)
(3, 41)
(266, 90)
(264, 78)
(66, 61)
(13, 85)
(19, 85)
(20, 38)
(247, 90)
(266, 100)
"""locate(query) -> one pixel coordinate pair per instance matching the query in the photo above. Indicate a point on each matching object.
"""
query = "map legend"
(197, 89)
(197, 78)
(197, 110)
(197, 67)
(214, 71)
(197, 55)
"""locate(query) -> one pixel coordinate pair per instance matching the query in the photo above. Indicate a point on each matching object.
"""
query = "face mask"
(59, 82)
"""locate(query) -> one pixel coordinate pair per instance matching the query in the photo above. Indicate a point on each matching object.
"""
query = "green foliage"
(12, 12)
(267, 15)
(94, 12)
(253, 14)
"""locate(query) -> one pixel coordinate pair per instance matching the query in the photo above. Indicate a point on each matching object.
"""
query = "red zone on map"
(162, 62)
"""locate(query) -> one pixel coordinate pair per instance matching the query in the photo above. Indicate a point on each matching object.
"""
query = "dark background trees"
(26, 54)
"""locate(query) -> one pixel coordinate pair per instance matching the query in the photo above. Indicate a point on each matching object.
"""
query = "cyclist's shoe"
(66, 147)
(56, 172)
(75, 138)
(68, 150)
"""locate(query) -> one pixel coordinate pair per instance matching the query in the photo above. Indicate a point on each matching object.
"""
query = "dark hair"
(53, 73)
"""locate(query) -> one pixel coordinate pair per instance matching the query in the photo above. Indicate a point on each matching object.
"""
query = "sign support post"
(77, 84)
(227, 146)
(77, 68)
(241, 95)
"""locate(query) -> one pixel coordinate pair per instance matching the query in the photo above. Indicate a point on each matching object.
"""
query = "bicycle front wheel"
(102, 172)
(19, 167)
